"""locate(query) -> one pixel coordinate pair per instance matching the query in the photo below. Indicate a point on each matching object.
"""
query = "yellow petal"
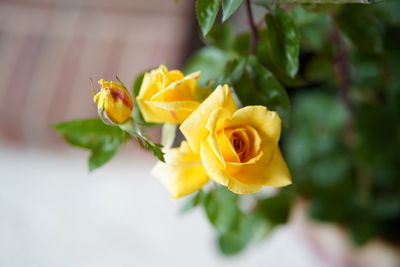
(216, 172)
(172, 76)
(172, 112)
(272, 172)
(267, 123)
(233, 168)
(227, 150)
(182, 173)
(250, 140)
(180, 90)
(215, 123)
(116, 110)
(277, 172)
(151, 84)
(193, 128)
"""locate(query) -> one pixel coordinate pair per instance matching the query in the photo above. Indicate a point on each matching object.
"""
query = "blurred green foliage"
(339, 65)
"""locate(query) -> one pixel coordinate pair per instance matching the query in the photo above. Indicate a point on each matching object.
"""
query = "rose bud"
(114, 103)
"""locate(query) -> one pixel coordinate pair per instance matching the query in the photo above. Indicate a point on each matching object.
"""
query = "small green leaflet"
(193, 201)
(206, 11)
(229, 7)
(134, 129)
(153, 147)
(102, 140)
(283, 42)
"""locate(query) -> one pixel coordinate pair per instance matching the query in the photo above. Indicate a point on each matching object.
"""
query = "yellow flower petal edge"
(193, 128)
(168, 96)
(182, 173)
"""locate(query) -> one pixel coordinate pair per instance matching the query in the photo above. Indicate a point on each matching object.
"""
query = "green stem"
(132, 128)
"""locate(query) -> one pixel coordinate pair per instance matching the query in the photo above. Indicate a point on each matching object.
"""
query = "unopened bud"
(114, 103)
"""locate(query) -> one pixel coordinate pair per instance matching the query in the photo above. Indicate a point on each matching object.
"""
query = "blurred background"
(52, 211)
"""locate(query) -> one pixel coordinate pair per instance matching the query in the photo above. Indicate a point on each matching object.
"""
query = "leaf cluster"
(237, 227)
(343, 157)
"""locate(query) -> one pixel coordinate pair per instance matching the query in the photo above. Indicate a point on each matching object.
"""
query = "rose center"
(237, 143)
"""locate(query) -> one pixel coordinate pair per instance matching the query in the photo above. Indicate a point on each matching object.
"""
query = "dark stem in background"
(253, 28)
(343, 74)
(342, 69)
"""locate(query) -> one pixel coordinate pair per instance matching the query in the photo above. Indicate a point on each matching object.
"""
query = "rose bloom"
(114, 103)
(237, 148)
(168, 96)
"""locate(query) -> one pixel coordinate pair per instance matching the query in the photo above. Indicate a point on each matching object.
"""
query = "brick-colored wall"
(49, 49)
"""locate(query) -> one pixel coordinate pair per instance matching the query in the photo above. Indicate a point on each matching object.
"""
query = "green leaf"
(153, 147)
(221, 36)
(275, 209)
(103, 140)
(206, 11)
(283, 42)
(193, 201)
(361, 27)
(237, 239)
(137, 114)
(255, 85)
(221, 208)
(229, 7)
(210, 61)
(242, 44)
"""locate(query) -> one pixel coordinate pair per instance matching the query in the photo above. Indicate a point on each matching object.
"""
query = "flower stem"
(253, 28)
(132, 128)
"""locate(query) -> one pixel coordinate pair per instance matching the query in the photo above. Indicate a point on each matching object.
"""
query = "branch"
(342, 69)
(343, 74)
(253, 28)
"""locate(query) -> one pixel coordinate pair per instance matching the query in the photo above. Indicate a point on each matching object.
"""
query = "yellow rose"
(182, 173)
(168, 96)
(238, 147)
(114, 103)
